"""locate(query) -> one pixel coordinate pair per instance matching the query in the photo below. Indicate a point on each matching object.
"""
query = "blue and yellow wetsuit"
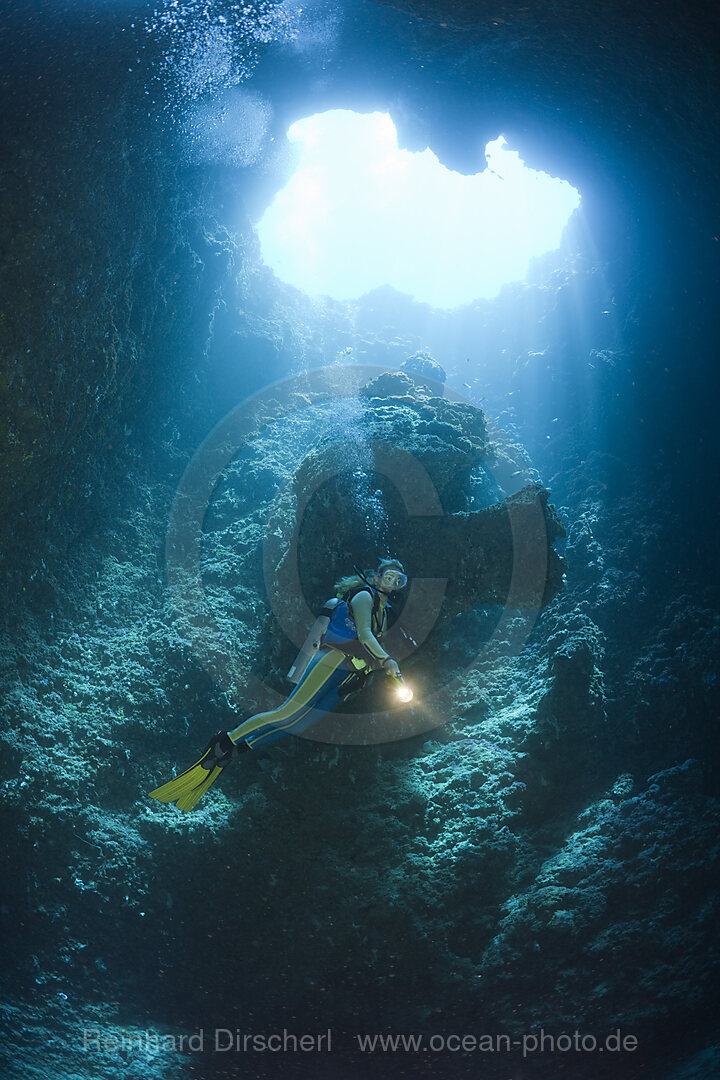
(338, 669)
(329, 677)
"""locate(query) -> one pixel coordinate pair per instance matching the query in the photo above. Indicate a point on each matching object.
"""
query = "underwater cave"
(232, 376)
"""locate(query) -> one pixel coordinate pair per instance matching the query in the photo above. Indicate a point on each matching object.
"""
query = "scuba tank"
(312, 642)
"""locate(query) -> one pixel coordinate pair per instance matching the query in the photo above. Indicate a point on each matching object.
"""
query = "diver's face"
(391, 580)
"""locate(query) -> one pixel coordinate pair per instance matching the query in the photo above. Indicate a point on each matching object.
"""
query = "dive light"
(404, 692)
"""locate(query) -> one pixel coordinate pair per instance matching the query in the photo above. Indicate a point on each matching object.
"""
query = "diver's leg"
(319, 691)
(328, 700)
(323, 676)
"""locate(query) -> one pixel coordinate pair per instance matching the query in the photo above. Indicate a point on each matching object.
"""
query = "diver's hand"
(390, 668)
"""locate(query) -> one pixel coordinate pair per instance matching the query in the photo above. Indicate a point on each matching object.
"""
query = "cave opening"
(359, 212)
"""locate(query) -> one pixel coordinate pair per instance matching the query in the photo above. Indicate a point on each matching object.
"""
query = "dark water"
(519, 872)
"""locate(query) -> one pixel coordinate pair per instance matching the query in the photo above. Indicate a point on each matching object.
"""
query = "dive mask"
(393, 580)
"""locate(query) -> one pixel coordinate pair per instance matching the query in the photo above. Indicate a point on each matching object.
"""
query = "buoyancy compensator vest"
(335, 627)
(342, 631)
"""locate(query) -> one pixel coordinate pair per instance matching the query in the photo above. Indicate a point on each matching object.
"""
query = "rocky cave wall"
(522, 844)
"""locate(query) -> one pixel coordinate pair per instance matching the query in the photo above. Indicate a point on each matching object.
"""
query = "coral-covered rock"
(425, 371)
(402, 471)
(610, 901)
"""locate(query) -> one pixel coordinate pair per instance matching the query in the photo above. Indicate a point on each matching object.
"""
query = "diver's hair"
(385, 564)
(345, 585)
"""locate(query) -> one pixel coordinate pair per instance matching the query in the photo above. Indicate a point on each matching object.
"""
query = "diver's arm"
(362, 605)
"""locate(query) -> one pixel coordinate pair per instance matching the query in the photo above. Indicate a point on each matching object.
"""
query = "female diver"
(350, 649)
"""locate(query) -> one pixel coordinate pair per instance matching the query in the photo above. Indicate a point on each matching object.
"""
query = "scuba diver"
(346, 642)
